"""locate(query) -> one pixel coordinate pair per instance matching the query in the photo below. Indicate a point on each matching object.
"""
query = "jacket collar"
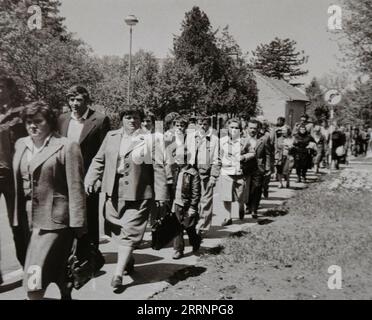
(51, 147)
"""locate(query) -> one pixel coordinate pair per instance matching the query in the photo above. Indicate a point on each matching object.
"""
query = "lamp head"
(131, 20)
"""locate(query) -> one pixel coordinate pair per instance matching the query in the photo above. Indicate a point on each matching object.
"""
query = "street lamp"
(131, 21)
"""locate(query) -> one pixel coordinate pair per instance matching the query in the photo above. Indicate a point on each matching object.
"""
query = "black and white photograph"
(199, 151)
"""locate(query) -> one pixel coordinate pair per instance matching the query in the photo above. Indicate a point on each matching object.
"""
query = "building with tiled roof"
(277, 98)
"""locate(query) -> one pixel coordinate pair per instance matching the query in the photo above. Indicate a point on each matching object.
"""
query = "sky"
(100, 23)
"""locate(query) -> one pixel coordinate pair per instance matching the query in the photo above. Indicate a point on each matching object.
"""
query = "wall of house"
(293, 112)
(272, 103)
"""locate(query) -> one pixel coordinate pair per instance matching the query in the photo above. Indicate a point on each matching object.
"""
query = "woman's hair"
(302, 126)
(181, 119)
(36, 107)
(77, 90)
(237, 120)
(132, 110)
(168, 119)
(149, 115)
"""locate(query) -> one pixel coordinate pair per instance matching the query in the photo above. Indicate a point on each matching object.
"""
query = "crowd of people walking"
(54, 169)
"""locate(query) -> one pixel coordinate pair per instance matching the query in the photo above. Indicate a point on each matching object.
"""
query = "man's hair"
(255, 121)
(130, 111)
(36, 107)
(149, 115)
(77, 90)
(205, 117)
(181, 119)
(280, 119)
(237, 120)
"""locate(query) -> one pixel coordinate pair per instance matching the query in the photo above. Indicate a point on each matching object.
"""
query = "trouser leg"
(93, 219)
(179, 243)
(206, 206)
(193, 237)
(255, 192)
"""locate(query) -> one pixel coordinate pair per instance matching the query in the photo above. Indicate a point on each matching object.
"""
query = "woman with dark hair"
(50, 199)
(131, 178)
(303, 152)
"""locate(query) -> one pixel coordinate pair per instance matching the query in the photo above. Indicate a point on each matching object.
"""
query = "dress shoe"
(241, 214)
(226, 222)
(177, 255)
(116, 281)
(254, 215)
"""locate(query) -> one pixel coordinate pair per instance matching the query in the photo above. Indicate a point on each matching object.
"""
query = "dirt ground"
(330, 223)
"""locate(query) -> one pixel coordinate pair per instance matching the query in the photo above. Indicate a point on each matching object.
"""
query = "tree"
(356, 30)
(317, 108)
(357, 26)
(44, 62)
(238, 91)
(179, 89)
(279, 59)
(146, 70)
(110, 93)
(197, 45)
(228, 85)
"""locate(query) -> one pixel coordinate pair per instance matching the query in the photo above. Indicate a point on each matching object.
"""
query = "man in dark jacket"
(261, 168)
(11, 129)
(88, 128)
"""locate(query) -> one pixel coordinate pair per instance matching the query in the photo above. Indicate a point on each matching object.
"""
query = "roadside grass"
(329, 223)
(323, 227)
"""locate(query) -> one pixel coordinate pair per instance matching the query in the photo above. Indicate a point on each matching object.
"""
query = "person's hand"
(267, 173)
(191, 213)
(79, 232)
(89, 190)
(161, 203)
(212, 182)
(248, 156)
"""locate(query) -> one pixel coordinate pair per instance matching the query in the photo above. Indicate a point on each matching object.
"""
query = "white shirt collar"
(31, 146)
(83, 117)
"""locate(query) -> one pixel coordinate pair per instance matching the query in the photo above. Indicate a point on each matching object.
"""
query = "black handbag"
(164, 230)
(84, 262)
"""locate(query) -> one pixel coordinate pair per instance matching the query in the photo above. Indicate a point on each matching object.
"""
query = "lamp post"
(131, 21)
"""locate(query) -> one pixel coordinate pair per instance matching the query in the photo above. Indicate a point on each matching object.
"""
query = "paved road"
(154, 270)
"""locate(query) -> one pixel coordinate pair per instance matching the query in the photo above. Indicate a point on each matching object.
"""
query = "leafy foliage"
(44, 62)
(279, 59)
(317, 108)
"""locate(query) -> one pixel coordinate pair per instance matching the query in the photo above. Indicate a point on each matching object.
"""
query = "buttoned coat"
(95, 128)
(56, 173)
(144, 175)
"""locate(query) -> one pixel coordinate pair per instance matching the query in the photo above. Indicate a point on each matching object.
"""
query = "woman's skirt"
(46, 259)
(129, 225)
(303, 159)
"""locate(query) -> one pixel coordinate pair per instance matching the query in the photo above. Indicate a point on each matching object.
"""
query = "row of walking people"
(53, 174)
